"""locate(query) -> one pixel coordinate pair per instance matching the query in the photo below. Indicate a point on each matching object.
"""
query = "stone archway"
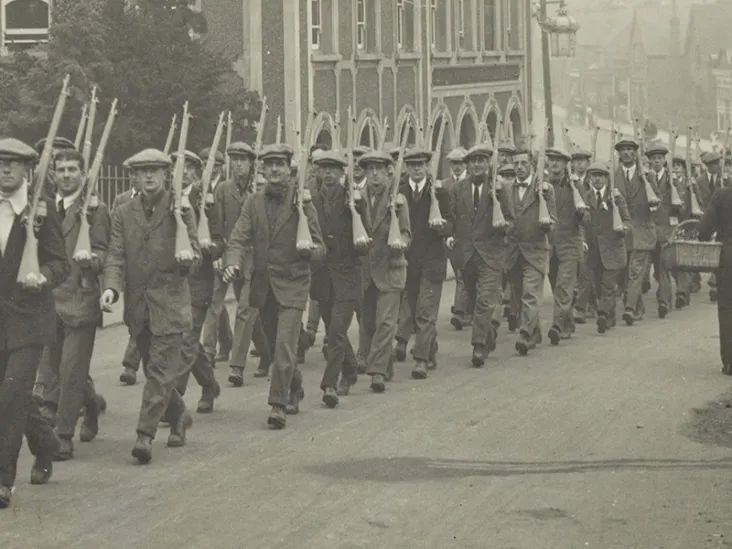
(406, 122)
(324, 138)
(440, 116)
(467, 132)
(516, 125)
(369, 130)
(324, 130)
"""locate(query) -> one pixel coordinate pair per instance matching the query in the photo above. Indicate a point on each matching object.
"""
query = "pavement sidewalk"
(115, 317)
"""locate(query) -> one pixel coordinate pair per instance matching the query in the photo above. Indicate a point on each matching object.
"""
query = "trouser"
(69, 360)
(605, 283)
(528, 282)
(638, 261)
(193, 357)
(712, 282)
(339, 356)
(665, 291)
(405, 324)
(380, 315)
(281, 326)
(216, 325)
(363, 348)
(463, 305)
(314, 315)
(163, 365)
(458, 300)
(684, 284)
(247, 329)
(423, 300)
(131, 358)
(504, 297)
(563, 281)
(19, 413)
(586, 296)
(483, 285)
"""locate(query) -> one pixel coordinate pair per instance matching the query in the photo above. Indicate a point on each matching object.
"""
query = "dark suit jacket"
(385, 267)
(474, 232)
(77, 299)
(642, 235)
(707, 189)
(272, 260)
(141, 263)
(228, 203)
(528, 238)
(201, 281)
(29, 318)
(665, 210)
(599, 234)
(426, 253)
(568, 234)
(338, 276)
(122, 198)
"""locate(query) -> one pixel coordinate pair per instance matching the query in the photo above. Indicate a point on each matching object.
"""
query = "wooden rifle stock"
(278, 134)
(260, 137)
(29, 269)
(435, 217)
(89, 132)
(653, 200)
(676, 201)
(204, 232)
(81, 127)
(183, 250)
(229, 137)
(618, 226)
(544, 217)
(83, 250)
(395, 234)
(171, 133)
(360, 236)
(499, 220)
(304, 238)
(595, 133)
(694, 207)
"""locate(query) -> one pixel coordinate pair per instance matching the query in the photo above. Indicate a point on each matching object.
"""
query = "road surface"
(585, 445)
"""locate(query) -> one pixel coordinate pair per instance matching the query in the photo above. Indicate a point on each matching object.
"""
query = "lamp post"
(562, 29)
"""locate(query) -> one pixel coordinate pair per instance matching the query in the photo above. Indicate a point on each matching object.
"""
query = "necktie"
(61, 209)
(416, 193)
(476, 196)
(599, 198)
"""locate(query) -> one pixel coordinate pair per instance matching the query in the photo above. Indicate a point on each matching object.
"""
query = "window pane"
(514, 36)
(489, 24)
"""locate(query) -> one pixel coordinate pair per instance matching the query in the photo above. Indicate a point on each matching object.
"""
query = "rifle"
(724, 154)
(361, 239)
(88, 136)
(169, 139)
(382, 133)
(183, 249)
(278, 135)
(676, 201)
(545, 219)
(395, 234)
(618, 226)
(499, 220)
(82, 125)
(204, 233)
(29, 271)
(435, 217)
(593, 150)
(304, 238)
(260, 136)
(229, 135)
(82, 250)
(653, 200)
(695, 209)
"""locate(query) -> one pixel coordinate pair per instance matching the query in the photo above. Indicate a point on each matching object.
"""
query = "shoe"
(713, 295)
(601, 324)
(478, 359)
(554, 335)
(628, 317)
(262, 371)
(222, 357)
(727, 369)
(142, 451)
(6, 493)
(208, 395)
(236, 377)
(90, 424)
(128, 377)
(662, 310)
(293, 406)
(512, 321)
(177, 436)
(420, 370)
(457, 321)
(400, 351)
(254, 353)
(360, 363)
(579, 316)
(344, 385)
(42, 468)
(65, 450)
(330, 397)
(378, 384)
(277, 418)
(680, 301)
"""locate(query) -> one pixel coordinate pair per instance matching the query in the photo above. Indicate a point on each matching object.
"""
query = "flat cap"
(656, 148)
(58, 143)
(359, 151)
(239, 148)
(678, 159)
(481, 149)
(417, 154)
(578, 154)
(506, 147)
(16, 149)
(376, 157)
(217, 155)
(457, 155)
(507, 169)
(326, 158)
(189, 155)
(394, 152)
(599, 167)
(558, 152)
(149, 158)
(318, 147)
(276, 150)
(710, 157)
(626, 142)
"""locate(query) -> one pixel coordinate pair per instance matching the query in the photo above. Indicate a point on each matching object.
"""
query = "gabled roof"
(709, 28)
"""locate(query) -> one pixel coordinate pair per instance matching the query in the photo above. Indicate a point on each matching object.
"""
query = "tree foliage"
(145, 58)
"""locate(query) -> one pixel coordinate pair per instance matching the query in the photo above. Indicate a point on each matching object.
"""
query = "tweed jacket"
(642, 235)
(201, 281)
(568, 234)
(599, 234)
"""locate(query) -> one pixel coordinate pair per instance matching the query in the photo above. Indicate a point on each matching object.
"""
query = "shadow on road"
(408, 469)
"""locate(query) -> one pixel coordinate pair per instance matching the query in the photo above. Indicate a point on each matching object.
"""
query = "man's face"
(417, 170)
(557, 166)
(68, 176)
(151, 178)
(217, 171)
(599, 180)
(678, 171)
(358, 172)
(509, 178)
(331, 174)
(627, 155)
(240, 166)
(277, 171)
(12, 173)
(377, 175)
(580, 165)
(657, 161)
(478, 165)
(190, 174)
(457, 168)
(504, 158)
(714, 167)
(523, 167)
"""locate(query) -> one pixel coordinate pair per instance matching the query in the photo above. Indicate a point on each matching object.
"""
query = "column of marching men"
(504, 227)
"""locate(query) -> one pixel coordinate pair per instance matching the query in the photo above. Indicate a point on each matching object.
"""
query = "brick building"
(464, 60)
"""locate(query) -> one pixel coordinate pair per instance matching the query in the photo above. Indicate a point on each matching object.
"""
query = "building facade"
(412, 62)
(23, 24)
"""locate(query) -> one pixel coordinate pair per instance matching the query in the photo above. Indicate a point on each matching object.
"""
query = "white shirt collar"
(68, 200)
(417, 187)
(19, 199)
(361, 185)
(660, 173)
(187, 190)
(629, 171)
(601, 191)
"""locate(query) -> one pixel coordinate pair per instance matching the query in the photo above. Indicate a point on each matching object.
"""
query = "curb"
(229, 300)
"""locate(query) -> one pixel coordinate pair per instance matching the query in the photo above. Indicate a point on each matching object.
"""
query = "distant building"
(23, 24)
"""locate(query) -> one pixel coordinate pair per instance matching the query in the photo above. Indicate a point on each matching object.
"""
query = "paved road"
(577, 446)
